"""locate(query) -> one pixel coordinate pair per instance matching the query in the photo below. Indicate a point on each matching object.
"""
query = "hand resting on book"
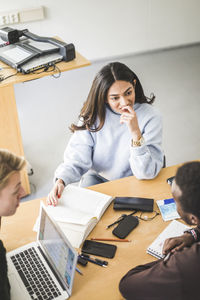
(177, 243)
(56, 192)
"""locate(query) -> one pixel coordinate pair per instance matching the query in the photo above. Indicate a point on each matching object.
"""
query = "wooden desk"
(10, 135)
(101, 283)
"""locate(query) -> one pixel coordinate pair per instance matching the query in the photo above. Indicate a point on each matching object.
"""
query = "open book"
(175, 228)
(78, 211)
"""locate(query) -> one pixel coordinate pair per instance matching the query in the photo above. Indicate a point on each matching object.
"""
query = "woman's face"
(10, 195)
(121, 94)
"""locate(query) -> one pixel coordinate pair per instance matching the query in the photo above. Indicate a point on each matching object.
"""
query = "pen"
(103, 262)
(93, 261)
(121, 218)
(110, 240)
(79, 271)
(116, 222)
(166, 257)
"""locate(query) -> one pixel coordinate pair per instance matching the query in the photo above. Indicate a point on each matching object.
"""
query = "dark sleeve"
(4, 283)
(176, 279)
(155, 281)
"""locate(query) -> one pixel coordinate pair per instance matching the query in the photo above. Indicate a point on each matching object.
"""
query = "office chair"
(164, 161)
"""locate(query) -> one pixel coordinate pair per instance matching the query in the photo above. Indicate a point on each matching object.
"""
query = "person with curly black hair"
(176, 276)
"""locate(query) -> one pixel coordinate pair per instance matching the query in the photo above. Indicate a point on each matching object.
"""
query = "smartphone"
(125, 226)
(99, 249)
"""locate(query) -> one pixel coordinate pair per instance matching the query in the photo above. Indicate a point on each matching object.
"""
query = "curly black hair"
(188, 180)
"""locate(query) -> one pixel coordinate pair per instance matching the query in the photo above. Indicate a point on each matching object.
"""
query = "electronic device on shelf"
(27, 52)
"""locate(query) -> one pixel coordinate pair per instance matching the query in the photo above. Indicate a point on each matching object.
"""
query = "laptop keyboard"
(34, 275)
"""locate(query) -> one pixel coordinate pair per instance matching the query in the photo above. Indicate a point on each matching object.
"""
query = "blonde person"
(119, 134)
(11, 191)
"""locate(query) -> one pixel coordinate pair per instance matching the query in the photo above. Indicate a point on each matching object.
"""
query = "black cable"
(148, 218)
(47, 69)
(59, 72)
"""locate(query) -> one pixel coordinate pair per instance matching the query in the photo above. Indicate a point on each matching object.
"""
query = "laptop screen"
(60, 252)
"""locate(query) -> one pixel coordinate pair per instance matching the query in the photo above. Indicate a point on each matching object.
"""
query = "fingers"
(124, 119)
(170, 244)
(52, 199)
(180, 247)
(55, 194)
(60, 189)
(128, 108)
(128, 114)
(175, 244)
(166, 247)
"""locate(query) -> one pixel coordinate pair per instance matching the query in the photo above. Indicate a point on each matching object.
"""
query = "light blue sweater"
(109, 151)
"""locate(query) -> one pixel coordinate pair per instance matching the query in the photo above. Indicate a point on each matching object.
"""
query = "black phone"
(125, 226)
(99, 249)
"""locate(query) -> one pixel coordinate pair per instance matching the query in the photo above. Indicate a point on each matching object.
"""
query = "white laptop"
(52, 262)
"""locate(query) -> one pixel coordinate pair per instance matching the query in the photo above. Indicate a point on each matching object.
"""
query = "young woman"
(10, 193)
(119, 134)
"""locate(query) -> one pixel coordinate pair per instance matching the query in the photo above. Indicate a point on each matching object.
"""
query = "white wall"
(108, 28)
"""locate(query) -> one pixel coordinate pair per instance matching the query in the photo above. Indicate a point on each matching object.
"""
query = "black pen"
(121, 218)
(96, 262)
(116, 222)
(103, 262)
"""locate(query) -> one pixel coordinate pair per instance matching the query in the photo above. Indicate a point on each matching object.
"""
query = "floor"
(48, 106)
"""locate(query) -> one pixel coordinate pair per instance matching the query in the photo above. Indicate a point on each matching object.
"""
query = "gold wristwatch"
(138, 143)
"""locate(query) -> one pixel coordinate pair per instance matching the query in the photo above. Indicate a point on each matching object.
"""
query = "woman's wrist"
(137, 143)
(59, 180)
(136, 135)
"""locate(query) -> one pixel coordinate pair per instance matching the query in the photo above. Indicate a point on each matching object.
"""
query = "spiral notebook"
(175, 228)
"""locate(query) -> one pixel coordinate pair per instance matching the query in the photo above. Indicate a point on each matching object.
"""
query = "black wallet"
(131, 203)
(125, 226)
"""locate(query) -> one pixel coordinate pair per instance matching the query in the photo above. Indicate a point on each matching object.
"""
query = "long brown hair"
(95, 104)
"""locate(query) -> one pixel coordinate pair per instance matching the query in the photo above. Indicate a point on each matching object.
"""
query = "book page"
(78, 205)
(61, 213)
(174, 229)
(75, 233)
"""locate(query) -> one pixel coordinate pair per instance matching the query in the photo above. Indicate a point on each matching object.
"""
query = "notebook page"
(175, 228)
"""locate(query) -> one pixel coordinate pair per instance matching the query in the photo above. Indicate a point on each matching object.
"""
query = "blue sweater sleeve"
(147, 160)
(77, 157)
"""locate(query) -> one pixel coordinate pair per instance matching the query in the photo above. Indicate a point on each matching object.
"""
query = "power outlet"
(4, 20)
(14, 17)
(22, 16)
(11, 18)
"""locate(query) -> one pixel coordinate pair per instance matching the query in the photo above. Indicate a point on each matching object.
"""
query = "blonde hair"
(9, 163)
